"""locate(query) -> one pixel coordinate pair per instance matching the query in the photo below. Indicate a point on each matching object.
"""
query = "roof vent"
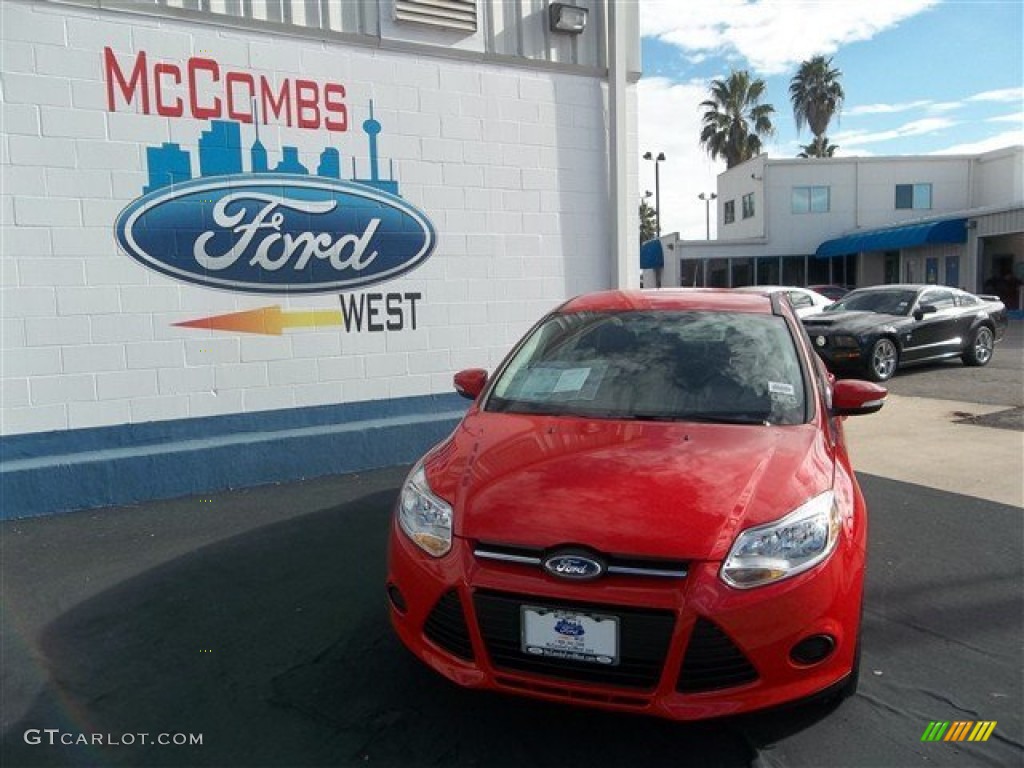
(449, 14)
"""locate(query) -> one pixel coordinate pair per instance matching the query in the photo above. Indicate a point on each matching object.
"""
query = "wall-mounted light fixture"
(567, 18)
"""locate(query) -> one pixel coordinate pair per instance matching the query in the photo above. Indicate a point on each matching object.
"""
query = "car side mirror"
(924, 309)
(853, 397)
(470, 383)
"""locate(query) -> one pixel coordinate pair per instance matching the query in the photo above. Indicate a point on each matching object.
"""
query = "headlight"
(845, 341)
(425, 518)
(789, 546)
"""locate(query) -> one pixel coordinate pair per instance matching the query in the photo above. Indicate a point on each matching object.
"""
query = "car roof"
(774, 288)
(901, 287)
(691, 299)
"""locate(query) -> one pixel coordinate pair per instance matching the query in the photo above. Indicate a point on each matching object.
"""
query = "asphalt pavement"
(256, 620)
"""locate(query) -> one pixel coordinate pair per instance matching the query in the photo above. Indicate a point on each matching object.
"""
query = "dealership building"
(250, 242)
(953, 220)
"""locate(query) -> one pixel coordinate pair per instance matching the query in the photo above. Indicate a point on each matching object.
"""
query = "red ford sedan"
(649, 508)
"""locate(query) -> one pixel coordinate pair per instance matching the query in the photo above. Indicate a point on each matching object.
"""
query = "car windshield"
(886, 302)
(657, 366)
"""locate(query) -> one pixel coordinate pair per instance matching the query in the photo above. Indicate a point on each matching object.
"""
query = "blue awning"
(894, 238)
(652, 255)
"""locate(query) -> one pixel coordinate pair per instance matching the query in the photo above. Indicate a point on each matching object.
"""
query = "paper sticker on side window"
(778, 388)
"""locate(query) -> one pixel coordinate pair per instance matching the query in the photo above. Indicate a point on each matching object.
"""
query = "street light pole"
(707, 212)
(657, 189)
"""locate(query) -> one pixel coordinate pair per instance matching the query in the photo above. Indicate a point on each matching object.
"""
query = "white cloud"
(1017, 117)
(851, 139)
(1007, 139)
(1002, 95)
(772, 36)
(669, 122)
(883, 109)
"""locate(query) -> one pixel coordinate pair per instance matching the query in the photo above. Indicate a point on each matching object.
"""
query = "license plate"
(570, 635)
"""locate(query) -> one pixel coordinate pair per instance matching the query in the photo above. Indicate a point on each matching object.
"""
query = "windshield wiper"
(726, 417)
(709, 417)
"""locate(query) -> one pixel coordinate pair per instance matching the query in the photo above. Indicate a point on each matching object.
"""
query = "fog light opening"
(813, 649)
(397, 598)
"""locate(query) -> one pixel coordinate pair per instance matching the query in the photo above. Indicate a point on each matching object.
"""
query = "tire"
(883, 360)
(979, 351)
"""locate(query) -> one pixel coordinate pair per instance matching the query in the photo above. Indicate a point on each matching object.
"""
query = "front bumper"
(690, 648)
(840, 357)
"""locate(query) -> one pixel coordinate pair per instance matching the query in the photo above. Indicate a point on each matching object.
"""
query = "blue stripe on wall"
(54, 472)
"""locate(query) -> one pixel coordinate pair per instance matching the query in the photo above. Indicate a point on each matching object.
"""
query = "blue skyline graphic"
(221, 153)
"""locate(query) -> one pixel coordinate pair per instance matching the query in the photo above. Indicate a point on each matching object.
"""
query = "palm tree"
(817, 96)
(735, 119)
(648, 222)
(820, 147)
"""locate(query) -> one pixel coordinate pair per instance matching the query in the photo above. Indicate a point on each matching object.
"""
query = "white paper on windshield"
(545, 382)
(571, 381)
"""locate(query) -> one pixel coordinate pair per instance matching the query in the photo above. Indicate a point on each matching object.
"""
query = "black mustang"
(878, 329)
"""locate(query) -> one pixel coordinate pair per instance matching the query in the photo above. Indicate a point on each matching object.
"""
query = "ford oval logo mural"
(275, 230)
(573, 566)
(276, 233)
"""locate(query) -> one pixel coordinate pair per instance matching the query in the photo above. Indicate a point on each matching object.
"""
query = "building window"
(748, 205)
(914, 196)
(729, 212)
(811, 200)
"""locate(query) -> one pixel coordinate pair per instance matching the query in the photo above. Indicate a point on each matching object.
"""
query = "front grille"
(446, 626)
(622, 565)
(644, 637)
(713, 661)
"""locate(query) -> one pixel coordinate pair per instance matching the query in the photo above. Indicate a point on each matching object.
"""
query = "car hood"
(672, 490)
(850, 321)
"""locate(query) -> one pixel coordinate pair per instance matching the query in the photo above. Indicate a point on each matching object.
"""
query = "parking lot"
(257, 619)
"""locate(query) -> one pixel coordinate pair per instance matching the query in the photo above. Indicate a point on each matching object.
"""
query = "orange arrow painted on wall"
(269, 321)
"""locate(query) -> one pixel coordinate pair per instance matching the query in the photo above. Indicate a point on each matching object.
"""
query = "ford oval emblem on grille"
(573, 565)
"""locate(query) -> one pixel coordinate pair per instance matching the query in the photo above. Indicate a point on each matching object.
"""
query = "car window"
(657, 365)
(939, 299)
(800, 300)
(967, 300)
(894, 301)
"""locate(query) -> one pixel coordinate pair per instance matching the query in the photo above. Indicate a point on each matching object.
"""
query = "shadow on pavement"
(275, 646)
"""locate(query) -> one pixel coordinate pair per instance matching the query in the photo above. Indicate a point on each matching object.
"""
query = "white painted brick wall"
(30, 361)
(126, 385)
(98, 414)
(268, 398)
(48, 390)
(93, 358)
(158, 408)
(216, 403)
(240, 376)
(155, 354)
(324, 393)
(22, 119)
(508, 163)
(56, 331)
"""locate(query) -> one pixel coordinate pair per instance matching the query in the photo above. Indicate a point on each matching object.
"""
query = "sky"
(921, 77)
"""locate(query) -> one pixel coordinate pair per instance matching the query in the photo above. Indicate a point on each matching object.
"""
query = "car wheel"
(979, 351)
(883, 360)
